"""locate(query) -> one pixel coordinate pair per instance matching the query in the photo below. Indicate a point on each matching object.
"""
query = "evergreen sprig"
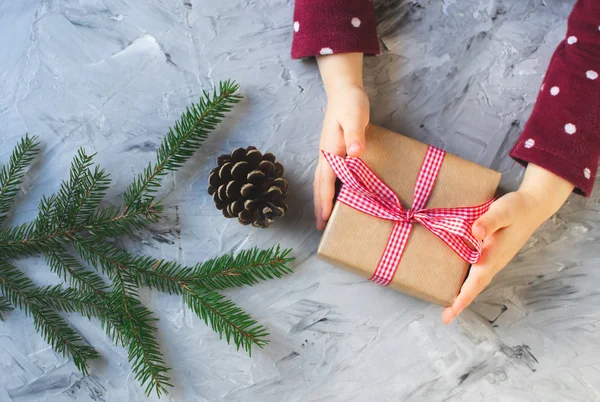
(246, 268)
(225, 317)
(77, 233)
(21, 292)
(182, 141)
(137, 326)
(11, 175)
(69, 300)
(69, 269)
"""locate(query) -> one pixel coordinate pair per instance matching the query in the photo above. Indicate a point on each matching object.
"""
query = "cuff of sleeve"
(582, 177)
(307, 45)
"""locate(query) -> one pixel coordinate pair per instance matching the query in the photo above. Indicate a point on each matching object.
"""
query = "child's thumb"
(500, 215)
(354, 136)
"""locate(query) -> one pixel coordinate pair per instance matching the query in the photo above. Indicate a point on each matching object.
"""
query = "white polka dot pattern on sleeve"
(571, 40)
(355, 22)
(587, 173)
(326, 50)
(591, 74)
(570, 128)
(554, 91)
(296, 26)
(529, 143)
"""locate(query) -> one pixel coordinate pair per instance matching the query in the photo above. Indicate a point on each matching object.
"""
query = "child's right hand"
(346, 118)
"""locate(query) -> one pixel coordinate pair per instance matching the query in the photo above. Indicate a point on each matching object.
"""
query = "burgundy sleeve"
(334, 26)
(563, 132)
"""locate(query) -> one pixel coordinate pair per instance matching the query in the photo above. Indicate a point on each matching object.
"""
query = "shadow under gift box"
(429, 268)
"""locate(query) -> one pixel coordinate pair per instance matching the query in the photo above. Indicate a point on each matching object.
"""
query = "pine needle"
(5, 307)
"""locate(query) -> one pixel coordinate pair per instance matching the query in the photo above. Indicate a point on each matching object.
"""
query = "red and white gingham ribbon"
(364, 191)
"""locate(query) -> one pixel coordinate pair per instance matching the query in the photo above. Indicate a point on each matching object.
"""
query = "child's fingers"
(332, 141)
(326, 192)
(317, 199)
(479, 277)
(448, 315)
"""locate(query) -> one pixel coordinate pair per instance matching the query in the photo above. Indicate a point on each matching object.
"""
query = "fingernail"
(354, 148)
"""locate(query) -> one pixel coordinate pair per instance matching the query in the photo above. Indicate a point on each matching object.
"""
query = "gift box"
(423, 247)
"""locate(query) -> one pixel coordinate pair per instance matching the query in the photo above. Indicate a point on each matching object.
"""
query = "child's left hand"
(505, 228)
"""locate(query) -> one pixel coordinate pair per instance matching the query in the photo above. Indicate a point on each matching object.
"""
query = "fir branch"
(198, 284)
(166, 276)
(87, 304)
(136, 320)
(14, 284)
(108, 258)
(21, 292)
(11, 176)
(94, 190)
(74, 209)
(69, 300)
(225, 317)
(182, 141)
(246, 268)
(64, 204)
(143, 349)
(5, 307)
(106, 223)
(111, 222)
(105, 257)
(222, 315)
(69, 269)
(42, 224)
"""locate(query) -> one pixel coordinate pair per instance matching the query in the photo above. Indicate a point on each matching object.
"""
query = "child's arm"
(324, 27)
(346, 118)
(560, 144)
(563, 132)
(338, 33)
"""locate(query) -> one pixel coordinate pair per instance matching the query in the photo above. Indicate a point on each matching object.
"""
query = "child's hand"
(506, 227)
(346, 118)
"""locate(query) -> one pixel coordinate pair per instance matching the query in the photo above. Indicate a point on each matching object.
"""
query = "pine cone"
(249, 185)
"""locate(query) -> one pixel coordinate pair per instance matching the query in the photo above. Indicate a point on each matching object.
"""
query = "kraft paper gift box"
(429, 269)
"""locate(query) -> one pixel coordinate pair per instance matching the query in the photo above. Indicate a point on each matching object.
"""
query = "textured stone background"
(112, 75)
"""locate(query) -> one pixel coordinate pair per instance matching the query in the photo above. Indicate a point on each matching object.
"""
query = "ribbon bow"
(364, 191)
